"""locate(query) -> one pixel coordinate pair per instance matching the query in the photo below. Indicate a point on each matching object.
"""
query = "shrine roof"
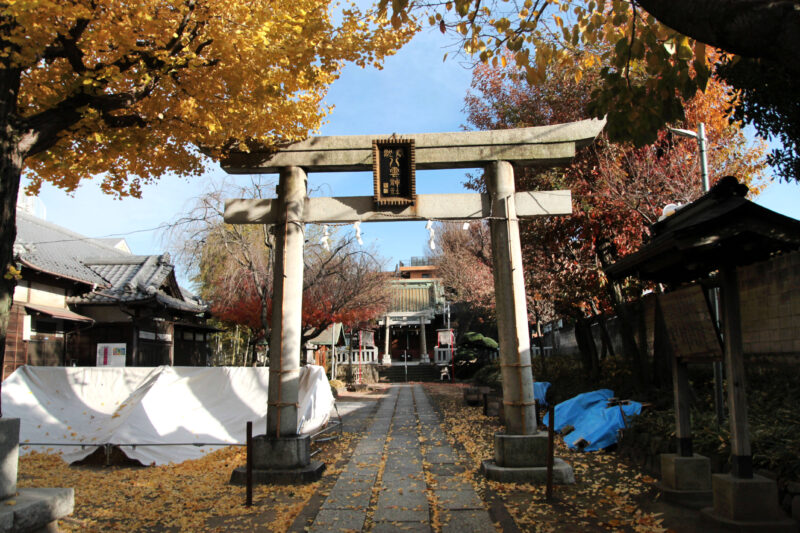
(720, 229)
(333, 331)
(415, 295)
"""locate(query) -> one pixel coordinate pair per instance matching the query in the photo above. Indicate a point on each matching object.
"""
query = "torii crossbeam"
(520, 452)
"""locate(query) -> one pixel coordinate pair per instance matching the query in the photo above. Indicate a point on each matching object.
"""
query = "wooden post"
(512, 311)
(680, 391)
(287, 304)
(741, 456)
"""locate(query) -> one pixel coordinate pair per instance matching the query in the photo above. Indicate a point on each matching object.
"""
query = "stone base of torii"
(280, 454)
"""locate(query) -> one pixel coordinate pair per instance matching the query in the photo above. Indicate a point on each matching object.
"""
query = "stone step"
(399, 373)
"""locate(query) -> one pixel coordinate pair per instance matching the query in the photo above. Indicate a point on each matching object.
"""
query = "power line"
(109, 236)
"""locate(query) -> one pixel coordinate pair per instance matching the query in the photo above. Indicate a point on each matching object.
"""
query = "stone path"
(403, 476)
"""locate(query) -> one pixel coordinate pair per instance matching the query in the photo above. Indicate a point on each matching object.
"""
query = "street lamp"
(700, 135)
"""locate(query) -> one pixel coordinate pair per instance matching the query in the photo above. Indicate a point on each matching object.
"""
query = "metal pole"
(719, 396)
(405, 358)
(700, 136)
(452, 347)
(701, 145)
(249, 467)
(333, 352)
(550, 449)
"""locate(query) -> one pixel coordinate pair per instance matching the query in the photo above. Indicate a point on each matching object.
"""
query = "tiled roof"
(139, 278)
(58, 251)
(119, 276)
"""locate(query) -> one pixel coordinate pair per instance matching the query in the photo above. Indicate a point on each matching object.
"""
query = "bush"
(473, 352)
(489, 375)
(772, 393)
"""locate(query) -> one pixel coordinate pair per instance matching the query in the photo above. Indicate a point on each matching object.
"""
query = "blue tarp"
(540, 391)
(594, 421)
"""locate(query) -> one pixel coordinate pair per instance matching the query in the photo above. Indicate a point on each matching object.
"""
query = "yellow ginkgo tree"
(125, 92)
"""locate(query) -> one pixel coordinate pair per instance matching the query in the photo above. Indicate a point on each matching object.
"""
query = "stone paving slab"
(467, 521)
(412, 497)
(446, 469)
(369, 449)
(404, 482)
(451, 483)
(364, 474)
(354, 493)
(402, 424)
(440, 454)
(401, 527)
(458, 499)
(394, 513)
(397, 465)
(330, 520)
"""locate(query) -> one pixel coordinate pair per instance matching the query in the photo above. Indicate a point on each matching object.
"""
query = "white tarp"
(150, 405)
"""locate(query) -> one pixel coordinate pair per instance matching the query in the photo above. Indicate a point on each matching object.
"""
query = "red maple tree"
(617, 190)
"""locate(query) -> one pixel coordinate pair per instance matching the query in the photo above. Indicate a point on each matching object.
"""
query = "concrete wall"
(770, 300)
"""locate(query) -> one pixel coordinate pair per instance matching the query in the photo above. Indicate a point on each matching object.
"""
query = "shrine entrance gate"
(497, 152)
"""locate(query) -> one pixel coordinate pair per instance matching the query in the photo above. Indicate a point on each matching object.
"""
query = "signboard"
(690, 329)
(394, 172)
(111, 354)
(444, 337)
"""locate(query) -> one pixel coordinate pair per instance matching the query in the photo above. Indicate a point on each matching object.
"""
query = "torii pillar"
(520, 454)
(282, 455)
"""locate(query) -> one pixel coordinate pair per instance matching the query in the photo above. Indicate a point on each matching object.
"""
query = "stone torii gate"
(281, 454)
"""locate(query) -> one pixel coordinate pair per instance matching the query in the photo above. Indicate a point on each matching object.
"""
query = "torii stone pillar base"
(26, 509)
(282, 461)
(523, 459)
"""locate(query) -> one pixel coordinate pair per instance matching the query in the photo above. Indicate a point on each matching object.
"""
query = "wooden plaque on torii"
(394, 172)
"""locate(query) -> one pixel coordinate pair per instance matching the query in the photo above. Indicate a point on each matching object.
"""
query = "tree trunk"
(606, 253)
(10, 171)
(540, 340)
(587, 348)
(605, 337)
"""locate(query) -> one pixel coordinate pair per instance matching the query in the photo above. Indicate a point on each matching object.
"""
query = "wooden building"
(79, 296)
(417, 311)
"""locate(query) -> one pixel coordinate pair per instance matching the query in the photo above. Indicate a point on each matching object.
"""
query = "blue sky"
(416, 92)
